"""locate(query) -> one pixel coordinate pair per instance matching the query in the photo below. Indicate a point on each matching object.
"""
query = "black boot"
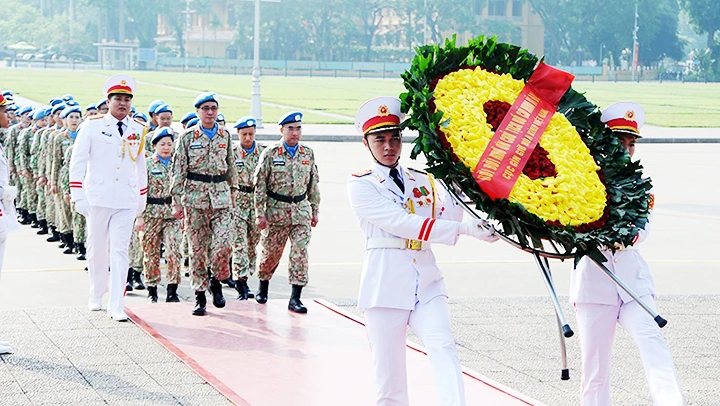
(137, 277)
(295, 304)
(42, 225)
(63, 243)
(69, 243)
(172, 296)
(34, 221)
(216, 289)
(200, 303)
(243, 290)
(262, 294)
(55, 237)
(229, 282)
(25, 217)
(81, 251)
(129, 284)
(152, 294)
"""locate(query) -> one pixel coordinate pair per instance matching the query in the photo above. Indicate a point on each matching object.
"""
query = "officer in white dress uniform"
(8, 217)
(401, 212)
(108, 183)
(600, 304)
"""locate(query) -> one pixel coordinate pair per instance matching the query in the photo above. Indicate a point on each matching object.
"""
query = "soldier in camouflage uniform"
(247, 155)
(203, 176)
(44, 143)
(10, 148)
(23, 164)
(287, 200)
(135, 254)
(163, 116)
(79, 224)
(62, 141)
(158, 222)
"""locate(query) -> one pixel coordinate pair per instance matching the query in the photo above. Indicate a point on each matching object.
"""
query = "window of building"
(497, 8)
(517, 8)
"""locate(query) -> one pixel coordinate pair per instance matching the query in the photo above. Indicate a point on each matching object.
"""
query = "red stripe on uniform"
(422, 230)
(75, 186)
(76, 183)
(430, 226)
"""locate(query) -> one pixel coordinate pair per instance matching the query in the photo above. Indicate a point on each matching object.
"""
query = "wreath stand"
(541, 260)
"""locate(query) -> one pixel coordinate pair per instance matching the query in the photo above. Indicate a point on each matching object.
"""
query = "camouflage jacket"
(56, 158)
(280, 173)
(197, 154)
(245, 165)
(11, 144)
(159, 182)
(64, 175)
(22, 150)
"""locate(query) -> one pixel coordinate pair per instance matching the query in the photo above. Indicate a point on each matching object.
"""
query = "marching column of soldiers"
(211, 201)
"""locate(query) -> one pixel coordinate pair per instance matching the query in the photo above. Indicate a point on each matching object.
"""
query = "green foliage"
(627, 191)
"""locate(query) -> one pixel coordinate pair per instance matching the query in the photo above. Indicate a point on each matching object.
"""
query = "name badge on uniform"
(196, 145)
(66, 142)
(239, 162)
(156, 172)
(278, 162)
(109, 135)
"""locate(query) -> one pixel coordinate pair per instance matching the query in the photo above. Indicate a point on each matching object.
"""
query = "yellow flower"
(574, 197)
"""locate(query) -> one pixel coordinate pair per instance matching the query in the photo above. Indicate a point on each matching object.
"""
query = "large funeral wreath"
(579, 187)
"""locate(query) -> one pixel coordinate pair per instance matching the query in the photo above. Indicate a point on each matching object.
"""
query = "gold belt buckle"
(414, 245)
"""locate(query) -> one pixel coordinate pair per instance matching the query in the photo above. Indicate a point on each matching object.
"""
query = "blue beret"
(7, 93)
(187, 117)
(204, 98)
(162, 132)
(100, 103)
(133, 109)
(57, 108)
(71, 103)
(220, 117)
(192, 122)
(245, 122)
(90, 106)
(154, 105)
(68, 97)
(13, 107)
(26, 109)
(291, 117)
(68, 110)
(39, 114)
(54, 101)
(163, 108)
(141, 116)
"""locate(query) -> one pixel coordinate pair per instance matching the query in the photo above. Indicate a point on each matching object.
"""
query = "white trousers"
(596, 326)
(387, 333)
(109, 230)
(3, 245)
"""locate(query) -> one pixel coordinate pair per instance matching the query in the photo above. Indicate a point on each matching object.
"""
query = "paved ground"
(503, 320)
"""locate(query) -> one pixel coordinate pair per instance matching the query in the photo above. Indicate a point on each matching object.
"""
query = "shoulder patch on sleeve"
(417, 170)
(362, 173)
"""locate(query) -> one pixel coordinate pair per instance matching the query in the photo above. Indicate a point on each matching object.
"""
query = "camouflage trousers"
(40, 204)
(247, 236)
(51, 207)
(65, 224)
(209, 230)
(161, 231)
(273, 241)
(79, 226)
(15, 181)
(29, 197)
(135, 251)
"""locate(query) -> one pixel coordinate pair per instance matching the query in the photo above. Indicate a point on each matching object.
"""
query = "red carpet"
(264, 355)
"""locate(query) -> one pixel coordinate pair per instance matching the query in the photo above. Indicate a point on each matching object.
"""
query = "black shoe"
(129, 284)
(172, 296)
(295, 305)
(44, 229)
(137, 278)
(200, 303)
(262, 294)
(69, 244)
(242, 289)
(216, 289)
(229, 282)
(81, 251)
(186, 262)
(152, 294)
(34, 221)
(25, 217)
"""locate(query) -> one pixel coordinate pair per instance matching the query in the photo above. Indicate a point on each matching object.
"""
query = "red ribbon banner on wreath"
(517, 136)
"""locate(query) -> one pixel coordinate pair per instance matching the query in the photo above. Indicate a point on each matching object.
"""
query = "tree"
(704, 17)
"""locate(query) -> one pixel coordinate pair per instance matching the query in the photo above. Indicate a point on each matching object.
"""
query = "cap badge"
(629, 114)
(383, 111)
(123, 82)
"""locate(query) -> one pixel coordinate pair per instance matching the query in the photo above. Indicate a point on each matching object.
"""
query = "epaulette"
(362, 173)
(418, 171)
(95, 116)
(142, 123)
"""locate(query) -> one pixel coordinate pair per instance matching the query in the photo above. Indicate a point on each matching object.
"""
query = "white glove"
(9, 193)
(82, 207)
(479, 229)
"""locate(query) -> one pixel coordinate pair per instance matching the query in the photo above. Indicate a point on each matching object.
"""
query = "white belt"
(399, 243)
